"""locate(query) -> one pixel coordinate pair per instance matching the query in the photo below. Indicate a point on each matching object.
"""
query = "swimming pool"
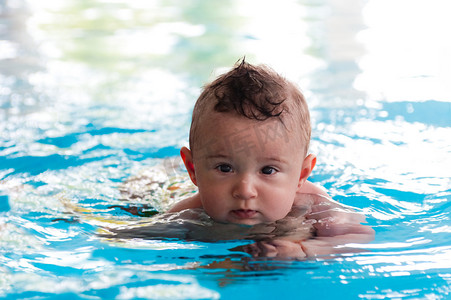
(92, 94)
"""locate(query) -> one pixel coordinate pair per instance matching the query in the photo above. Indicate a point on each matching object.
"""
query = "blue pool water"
(95, 93)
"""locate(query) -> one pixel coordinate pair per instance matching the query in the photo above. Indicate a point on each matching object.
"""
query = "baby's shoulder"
(187, 203)
(311, 188)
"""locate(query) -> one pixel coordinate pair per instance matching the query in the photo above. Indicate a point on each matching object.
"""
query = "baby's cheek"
(283, 204)
(278, 213)
(214, 210)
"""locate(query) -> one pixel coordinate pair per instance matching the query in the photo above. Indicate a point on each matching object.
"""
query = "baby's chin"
(248, 218)
(244, 217)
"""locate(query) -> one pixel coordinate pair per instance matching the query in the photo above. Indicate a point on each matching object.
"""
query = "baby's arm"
(336, 225)
(191, 202)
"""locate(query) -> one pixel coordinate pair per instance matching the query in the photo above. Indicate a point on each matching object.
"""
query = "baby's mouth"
(244, 213)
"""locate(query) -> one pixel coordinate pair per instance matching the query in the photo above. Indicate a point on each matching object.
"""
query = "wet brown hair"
(254, 92)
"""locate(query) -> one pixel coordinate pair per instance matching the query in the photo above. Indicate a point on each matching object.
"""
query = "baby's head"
(249, 138)
(256, 93)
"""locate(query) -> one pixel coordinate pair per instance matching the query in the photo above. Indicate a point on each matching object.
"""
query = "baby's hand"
(338, 221)
(336, 226)
(280, 248)
(330, 218)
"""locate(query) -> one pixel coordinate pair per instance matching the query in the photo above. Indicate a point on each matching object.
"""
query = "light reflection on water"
(91, 94)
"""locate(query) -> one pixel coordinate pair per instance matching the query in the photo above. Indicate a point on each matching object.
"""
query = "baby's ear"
(307, 168)
(187, 158)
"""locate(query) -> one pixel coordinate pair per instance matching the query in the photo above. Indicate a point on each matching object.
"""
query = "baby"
(248, 156)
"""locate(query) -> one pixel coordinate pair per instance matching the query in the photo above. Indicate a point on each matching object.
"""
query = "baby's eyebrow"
(216, 156)
(276, 159)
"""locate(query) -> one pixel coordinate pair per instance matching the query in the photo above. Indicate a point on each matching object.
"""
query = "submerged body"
(318, 226)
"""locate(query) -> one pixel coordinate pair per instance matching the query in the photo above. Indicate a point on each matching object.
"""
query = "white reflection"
(279, 40)
(21, 264)
(144, 41)
(33, 282)
(7, 49)
(168, 291)
(422, 153)
(407, 261)
(431, 229)
(392, 245)
(411, 157)
(408, 46)
(153, 244)
(14, 238)
(76, 258)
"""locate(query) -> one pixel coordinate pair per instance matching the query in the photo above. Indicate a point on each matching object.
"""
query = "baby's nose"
(244, 188)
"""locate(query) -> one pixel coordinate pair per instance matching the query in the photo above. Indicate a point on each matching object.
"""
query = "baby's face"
(247, 171)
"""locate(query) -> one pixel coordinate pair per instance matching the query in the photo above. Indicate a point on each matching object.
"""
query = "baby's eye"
(268, 170)
(224, 168)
